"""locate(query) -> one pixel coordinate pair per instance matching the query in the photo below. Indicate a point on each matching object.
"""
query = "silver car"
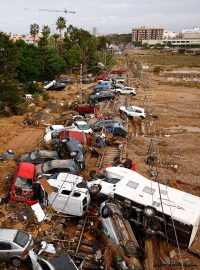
(14, 246)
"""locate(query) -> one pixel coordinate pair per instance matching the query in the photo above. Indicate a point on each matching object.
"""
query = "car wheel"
(142, 117)
(128, 164)
(149, 211)
(132, 94)
(106, 212)
(16, 261)
(95, 189)
(92, 173)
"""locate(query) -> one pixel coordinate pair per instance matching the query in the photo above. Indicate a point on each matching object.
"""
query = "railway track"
(107, 158)
(82, 247)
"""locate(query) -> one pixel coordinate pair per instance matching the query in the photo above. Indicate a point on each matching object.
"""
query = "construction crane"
(55, 10)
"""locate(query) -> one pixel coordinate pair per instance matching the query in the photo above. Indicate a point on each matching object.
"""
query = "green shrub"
(32, 88)
(45, 96)
(21, 108)
(157, 69)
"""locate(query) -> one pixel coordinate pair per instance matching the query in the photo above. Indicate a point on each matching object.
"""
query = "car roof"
(8, 234)
(47, 153)
(135, 107)
(81, 122)
(63, 262)
(26, 170)
(61, 163)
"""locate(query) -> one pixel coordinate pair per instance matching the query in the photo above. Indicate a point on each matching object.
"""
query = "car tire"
(149, 211)
(132, 94)
(106, 212)
(95, 189)
(128, 164)
(92, 173)
(15, 261)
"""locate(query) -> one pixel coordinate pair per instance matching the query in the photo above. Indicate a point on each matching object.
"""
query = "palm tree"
(34, 30)
(46, 31)
(60, 24)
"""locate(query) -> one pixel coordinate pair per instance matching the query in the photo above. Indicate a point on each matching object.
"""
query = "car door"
(5, 251)
(126, 90)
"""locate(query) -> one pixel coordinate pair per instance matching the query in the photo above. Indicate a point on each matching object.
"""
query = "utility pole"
(81, 78)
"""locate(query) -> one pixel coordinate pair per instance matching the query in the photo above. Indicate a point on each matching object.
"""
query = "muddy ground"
(172, 125)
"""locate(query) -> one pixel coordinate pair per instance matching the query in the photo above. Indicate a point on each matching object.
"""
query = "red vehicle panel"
(87, 109)
(83, 138)
(22, 187)
(119, 71)
(101, 77)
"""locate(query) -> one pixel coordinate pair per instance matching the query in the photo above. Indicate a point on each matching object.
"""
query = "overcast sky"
(109, 16)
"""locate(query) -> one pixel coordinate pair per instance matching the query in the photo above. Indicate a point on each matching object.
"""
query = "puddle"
(185, 128)
(183, 72)
(183, 79)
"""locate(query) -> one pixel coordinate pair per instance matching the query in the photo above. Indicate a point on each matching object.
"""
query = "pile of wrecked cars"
(120, 207)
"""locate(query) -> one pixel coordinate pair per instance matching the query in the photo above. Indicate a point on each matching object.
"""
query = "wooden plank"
(149, 251)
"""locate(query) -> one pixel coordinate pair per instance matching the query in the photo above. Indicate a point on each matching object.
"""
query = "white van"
(67, 194)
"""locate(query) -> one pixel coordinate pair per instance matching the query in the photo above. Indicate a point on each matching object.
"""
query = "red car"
(82, 137)
(22, 187)
(101, 77)
(119, 71)
(82, 110)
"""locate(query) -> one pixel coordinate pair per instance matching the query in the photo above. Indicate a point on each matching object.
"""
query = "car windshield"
(24, 183)
(111, 180)
(34, 155)
(21, 238)
(129, 108)
(83, 126)
(78, 118)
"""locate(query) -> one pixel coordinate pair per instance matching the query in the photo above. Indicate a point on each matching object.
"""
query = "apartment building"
(145, 33)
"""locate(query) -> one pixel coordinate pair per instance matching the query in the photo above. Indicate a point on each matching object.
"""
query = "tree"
(52, 63)
(46, 31)
(34, 30)
(28, 68)
(60, 24)
(9, 57)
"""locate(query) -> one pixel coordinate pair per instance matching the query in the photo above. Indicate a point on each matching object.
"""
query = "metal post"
(81, 78)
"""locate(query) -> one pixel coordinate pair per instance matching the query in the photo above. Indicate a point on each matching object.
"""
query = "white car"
(119, 80)
(53, 128)
(78, 117)
(105, 81)
(81, 126)
(133, 111)
(126, 90)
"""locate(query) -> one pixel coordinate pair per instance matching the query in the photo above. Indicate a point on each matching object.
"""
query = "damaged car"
(39, 156)
(56, 166)
(119, 231)
(22, 186)
(14, 246)
(67, 193)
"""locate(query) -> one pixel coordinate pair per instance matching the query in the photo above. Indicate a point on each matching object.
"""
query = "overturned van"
(65, 193)
(162, 210)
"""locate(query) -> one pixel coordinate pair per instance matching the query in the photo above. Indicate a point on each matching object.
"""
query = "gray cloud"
(113, 16)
